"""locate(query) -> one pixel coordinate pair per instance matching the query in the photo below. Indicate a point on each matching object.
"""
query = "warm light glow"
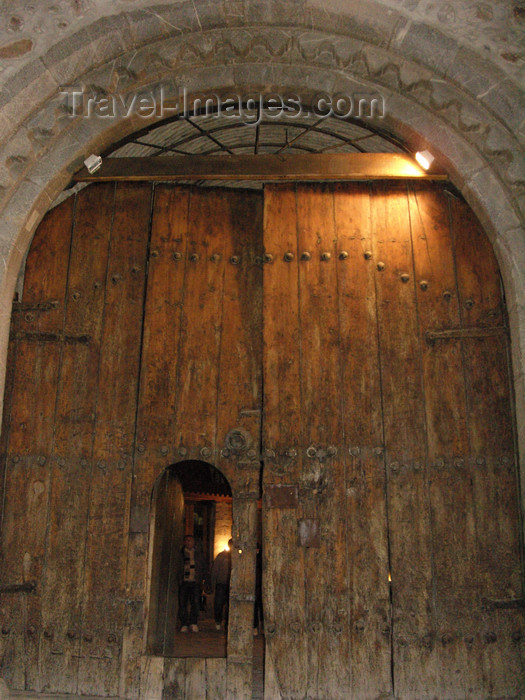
(222, 545)
(240, 551)
(389, 578)
(425, 159)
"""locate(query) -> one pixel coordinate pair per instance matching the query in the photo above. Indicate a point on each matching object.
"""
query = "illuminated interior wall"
(223, 527)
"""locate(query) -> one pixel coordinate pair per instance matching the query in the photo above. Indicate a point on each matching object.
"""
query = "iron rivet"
(402, 642)
(291, 453)
(343, 255)
(447, 295)
(183, 451)
(235, 260)
(258, 260)
(97, 285)
(29, 317)
(368, 255)
(54, 304)
(440, 462)
(215, 257)
(164, 450)
(205, 452)
(446, 639)
(490, 637)
(6, 630)
(315, 627)
(424, 285)
(427, 641)
(225, 452)
(306, 256)
(101, 465)
(112, 638)
(116, 278)
(354, 451)
(331, 451)
(267, 258)
(270, 454)
(154, 253)
(417, 466)
(505, 460)
(71, 634)
(141, 448)
(360, 625)
(517, 636)
(121, 465)
(480, 461)
(41, 460)
(326, 256)
(405, 277)
(288, 257)
(295, 627)
(88, 637)
(136, 268)
(380, 266)
(394, 466)
(83, 462)
(16, 459)
(385, 629)
(270, 629)
(48, 634)
(469, 303)
(194, 257)
(76, 296)
(378, 450)
(311, 451)
(459, 462)
(177, 256)
(61, 462)
(31, 630)
(251, 454)
(469, 639)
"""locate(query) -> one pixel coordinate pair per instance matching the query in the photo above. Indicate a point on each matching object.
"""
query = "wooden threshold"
(268, 167)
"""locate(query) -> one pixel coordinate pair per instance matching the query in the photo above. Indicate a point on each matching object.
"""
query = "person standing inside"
(192, 574)
(220, 579)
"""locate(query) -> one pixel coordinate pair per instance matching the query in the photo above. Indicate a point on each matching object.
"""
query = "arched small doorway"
(190, 498)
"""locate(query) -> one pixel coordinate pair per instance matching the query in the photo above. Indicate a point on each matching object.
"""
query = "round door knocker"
(238, 440)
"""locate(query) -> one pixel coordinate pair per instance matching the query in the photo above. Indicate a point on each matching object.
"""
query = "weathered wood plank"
(175, 541)
(283, 561)
(455, 600)
(104, 573)
(494, 463)
(299, 166)
(405, 440)
(29, 445)
(71, 475)
(366, 630)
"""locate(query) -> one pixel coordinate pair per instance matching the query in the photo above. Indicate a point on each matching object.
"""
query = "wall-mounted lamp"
(425, 159)
(93, 163)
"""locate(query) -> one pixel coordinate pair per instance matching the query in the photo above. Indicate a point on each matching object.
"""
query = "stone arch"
(439, 92)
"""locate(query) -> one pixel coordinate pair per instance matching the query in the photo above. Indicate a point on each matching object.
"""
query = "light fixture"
(93, 163)
(425, 159)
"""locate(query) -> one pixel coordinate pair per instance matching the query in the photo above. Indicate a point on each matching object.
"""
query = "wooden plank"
(72, 451)
(195, 685)
(29, 445)
(494, 458)
(323, 477)
(405, 440)
(265, 167)
(174, 687)
(104, 576)
(456, 598)
(215, 678)
(283, 562)
(157, 396)
(176, 539)
(366, 631)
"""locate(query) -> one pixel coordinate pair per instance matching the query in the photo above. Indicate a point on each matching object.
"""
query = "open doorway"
(191, 499)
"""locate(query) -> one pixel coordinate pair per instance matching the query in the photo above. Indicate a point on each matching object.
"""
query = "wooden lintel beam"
(267, 167)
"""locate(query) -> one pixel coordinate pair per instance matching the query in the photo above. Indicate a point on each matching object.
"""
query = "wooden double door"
(341, 348)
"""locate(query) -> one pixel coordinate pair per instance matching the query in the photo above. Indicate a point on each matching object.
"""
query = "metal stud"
(112, 638)
(368, 254)
(41, 460)
(182, 451)
(469, 640)
(29, 317)
(480, 461)
(164, 450)
(76, 296)
(291, 453)
(490, 638)
(306, 256)
(405, 277)
(427, 641)
(267, 258)
(194, 257)
(97, 285)
(288, 256)
(380, 266)
(440, 462)
(269, 454)
(154, 253)
(447, 295)
(517, 636)
(48, 634)
(311, 451)
(326, 256)
(205, 452)
(394, 466)
(331, 451)
(360, 625)
(446, 639)
(16, 459)
(215, 257)
(177, 256)
(136, 268)
(378, 450)
(343, 255)
(251, 454)
(225, 452)
(469, 303)
(235, 260)
(71, 634)
(61, 462)
(5, 631)
(141, 448)
(83, 462)
(354, 451)
(459, 462)
(424, 285)
(116, 278)
(88, 637)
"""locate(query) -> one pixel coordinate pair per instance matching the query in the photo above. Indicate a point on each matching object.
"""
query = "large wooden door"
(391, 517)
